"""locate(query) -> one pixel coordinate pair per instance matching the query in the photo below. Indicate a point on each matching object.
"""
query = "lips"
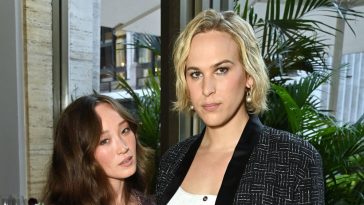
(211, 106)
(127, 161)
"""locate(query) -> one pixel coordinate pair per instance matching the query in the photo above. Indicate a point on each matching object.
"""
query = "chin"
(126, 174)
(215, 122)
(212, 123)
(212, 120)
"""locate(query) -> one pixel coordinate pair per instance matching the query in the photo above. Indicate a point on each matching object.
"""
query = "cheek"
(192, 88)
(102, 156)
(236, 82)
(132, 144)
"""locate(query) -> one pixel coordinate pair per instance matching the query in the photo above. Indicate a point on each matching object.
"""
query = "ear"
(249, 81)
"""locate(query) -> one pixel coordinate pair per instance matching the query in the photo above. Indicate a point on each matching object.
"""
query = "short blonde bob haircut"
(250, 55)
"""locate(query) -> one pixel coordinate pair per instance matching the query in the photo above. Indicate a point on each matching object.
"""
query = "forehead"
(105, 110)
(212, 46)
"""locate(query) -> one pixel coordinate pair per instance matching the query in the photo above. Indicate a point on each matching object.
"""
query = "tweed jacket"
(268, 166)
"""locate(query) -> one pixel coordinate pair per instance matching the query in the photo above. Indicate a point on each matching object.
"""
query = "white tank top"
(181, 197)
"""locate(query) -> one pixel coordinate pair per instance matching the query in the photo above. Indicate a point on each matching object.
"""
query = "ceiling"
(132, 15)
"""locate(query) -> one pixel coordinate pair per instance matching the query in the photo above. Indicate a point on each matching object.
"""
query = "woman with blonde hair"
(221, 75)
(97, 158)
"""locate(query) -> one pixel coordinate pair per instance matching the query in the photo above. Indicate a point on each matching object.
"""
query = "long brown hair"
(74, 175)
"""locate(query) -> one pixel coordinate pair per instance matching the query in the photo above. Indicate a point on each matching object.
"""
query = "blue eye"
(195, 74)
(222, 70)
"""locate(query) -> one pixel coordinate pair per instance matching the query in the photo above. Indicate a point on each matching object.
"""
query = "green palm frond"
(292, 110)
(296, 105)
(302, 89)
(286, 29)
(342, 149)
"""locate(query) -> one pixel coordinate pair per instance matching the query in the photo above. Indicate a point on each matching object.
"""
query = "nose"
(122, 146)
(208, 86)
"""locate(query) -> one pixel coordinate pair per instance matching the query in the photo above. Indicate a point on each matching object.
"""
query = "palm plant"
(291, 42)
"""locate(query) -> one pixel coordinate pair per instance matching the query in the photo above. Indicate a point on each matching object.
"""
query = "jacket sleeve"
(162, 177)
(310, 188)
(167, 166)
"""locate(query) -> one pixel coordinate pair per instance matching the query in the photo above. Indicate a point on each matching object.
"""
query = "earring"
(191, 107)
(248, 97)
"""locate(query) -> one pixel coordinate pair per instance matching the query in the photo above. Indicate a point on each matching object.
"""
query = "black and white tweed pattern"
(282, 169)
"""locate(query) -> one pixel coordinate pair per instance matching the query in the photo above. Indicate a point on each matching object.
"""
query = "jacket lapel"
(237, 164)
(235, 168)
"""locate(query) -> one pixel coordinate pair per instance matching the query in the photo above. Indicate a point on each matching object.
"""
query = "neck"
(118, 187)
(225, 137)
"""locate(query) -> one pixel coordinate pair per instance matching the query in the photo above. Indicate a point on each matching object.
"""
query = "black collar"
(235, 168)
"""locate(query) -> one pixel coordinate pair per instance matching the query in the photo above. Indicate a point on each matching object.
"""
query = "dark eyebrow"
(120, 124)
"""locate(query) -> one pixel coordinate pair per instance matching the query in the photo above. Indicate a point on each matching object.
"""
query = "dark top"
(268, 166)
(143, 199)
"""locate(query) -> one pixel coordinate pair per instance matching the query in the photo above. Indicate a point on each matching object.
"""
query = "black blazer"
(268, 166)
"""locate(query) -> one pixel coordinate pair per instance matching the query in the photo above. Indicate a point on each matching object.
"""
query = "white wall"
(350, 96)
(39, 91)
(12, 157)
(84, 47)
(354, 43)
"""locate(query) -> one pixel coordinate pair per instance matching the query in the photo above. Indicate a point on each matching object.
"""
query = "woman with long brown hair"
(97, 158)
